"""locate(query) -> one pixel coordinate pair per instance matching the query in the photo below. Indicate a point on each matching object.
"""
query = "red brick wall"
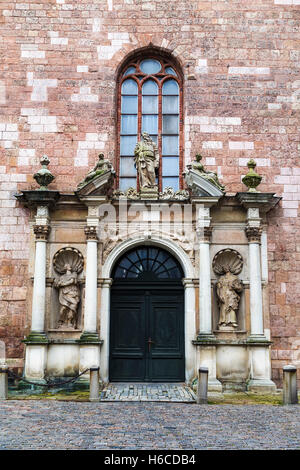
(241, 96)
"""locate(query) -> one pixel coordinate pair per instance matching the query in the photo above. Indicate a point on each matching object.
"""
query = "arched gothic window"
(150, 100)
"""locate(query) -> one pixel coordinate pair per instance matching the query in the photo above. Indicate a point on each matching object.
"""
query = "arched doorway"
(147, 317)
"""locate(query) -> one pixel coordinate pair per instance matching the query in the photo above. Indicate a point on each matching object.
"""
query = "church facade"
(150, 191)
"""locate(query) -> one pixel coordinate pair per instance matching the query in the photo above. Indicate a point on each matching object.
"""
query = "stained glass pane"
(131, 70)
(150, 123)
(128, 124)
(170, 124)
(129, 104)
(170, 166)
(170, 87)
(129, 87)
(150, 66)
(150, 88)
(150, 105)
(127, 145)
(126, 183)
(172, 182)
(170, 145)
(170, 105)
(127, 167)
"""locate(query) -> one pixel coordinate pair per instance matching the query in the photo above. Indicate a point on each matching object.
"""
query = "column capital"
(91, 233)
(253, 233)
(41, 232)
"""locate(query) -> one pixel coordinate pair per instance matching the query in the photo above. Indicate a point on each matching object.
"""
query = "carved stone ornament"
(169, 193)
(69, 263)
(211, 176)
(146, 159)
(91, 232)
(252, 179)
(100, 168)
(41, 231)
(253, 234)
(68, 256)
(43, 176)
(228, 263)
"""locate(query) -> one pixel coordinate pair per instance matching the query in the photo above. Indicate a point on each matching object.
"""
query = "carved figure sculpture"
(228, 263)
(69, 297)
(146, 159)
(211, 176)
(69, 263)
(101, 167)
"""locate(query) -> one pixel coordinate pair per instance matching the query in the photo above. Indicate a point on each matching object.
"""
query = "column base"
(89, 338)
(36, 337)
(258, 339)
(214, 385)
(205, 338)
(263, 386)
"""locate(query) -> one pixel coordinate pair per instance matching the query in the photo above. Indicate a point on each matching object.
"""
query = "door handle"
(149, 344)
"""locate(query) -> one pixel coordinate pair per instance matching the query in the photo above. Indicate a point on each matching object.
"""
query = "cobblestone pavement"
(148, 392)
(120, 425)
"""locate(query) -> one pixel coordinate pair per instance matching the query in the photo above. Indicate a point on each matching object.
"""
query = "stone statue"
(211, 176)
(146, 159)
(228, 263)
(69, 297)
(228, 288)
(101, 167)
(68, 262)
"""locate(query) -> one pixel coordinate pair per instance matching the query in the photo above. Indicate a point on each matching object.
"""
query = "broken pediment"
(99, 185)
(200, 185)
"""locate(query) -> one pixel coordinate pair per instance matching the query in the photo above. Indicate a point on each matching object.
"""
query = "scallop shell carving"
(68, 256)
(227, 260)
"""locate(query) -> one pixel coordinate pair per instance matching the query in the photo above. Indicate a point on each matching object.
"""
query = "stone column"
(39, 283)
(259, 346)
(206, 340)
(37, 342)
(104, 328)
(253, 233)
(89, 340)
(91, 274)
(190, 329)
(204, 231)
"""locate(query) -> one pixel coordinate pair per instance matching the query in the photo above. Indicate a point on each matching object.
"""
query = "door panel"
(166, 331)
(127, 356)
(147, 335)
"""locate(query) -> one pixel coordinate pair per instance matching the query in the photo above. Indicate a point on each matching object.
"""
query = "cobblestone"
(69, 425)
(147, 392)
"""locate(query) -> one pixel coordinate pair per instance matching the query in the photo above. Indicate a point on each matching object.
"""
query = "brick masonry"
(241, 99)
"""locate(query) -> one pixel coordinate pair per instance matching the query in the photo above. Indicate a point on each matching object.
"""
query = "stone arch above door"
(173, 248)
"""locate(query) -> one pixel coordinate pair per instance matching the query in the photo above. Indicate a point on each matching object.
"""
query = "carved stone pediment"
(200, 186)
(100, 185)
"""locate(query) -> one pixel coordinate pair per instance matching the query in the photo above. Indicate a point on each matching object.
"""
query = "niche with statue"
(229, 290)
(67, 290)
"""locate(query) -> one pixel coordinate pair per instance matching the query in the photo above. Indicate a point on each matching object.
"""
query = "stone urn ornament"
(252, 179)
(44, 177)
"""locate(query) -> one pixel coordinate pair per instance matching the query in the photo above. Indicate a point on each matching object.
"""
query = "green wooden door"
(147, 335)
